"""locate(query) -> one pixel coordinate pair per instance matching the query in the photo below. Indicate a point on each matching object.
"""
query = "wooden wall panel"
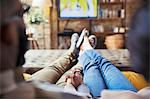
(75, 25)
(54, 25)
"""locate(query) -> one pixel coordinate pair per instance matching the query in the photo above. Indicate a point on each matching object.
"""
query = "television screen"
(78, 8)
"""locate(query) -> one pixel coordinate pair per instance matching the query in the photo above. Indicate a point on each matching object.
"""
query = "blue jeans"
(99, 74)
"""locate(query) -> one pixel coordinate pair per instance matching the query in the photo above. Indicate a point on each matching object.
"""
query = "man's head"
(13, 40)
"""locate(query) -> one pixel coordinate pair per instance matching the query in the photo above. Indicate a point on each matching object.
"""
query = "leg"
(92, 76)
(98, 70)
(113, 78)
(61, 82)
(53, 72)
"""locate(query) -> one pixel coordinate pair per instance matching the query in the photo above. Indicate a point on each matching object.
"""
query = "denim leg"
(92, 76)
(112, 77)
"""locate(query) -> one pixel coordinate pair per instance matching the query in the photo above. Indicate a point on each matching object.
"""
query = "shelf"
(111, 3)
(108, 19)
(105, 33)
(76, 19)
(65, 34)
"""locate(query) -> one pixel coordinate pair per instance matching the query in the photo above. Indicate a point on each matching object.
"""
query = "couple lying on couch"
(98, 73)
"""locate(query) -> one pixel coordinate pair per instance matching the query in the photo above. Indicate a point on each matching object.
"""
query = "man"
(13, 44)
